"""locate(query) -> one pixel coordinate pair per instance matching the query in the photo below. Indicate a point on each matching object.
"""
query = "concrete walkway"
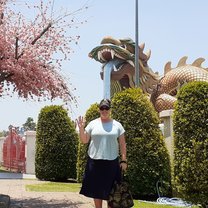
(14, 185)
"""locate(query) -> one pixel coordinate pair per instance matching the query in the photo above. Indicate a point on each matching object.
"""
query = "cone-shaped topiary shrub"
(191, 143)
(148, 159)
(91, 114)
(56, 145)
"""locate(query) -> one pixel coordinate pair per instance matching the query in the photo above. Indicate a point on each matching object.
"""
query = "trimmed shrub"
(91, 114)
(56, 145)
(148, 158)
(191, 143)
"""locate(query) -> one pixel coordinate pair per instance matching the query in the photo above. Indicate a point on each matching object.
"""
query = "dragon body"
(161, 90)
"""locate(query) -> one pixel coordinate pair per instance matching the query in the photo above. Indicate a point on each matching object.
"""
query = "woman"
(106, 137)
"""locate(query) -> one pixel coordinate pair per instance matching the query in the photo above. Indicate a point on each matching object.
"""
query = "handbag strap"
(124, 176)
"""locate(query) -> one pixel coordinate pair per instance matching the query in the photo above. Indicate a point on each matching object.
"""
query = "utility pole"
(136, 46)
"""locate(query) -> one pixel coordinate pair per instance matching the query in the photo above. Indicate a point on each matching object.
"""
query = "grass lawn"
(54, 187)
(141, 204)
(75, 187)
(2, 170)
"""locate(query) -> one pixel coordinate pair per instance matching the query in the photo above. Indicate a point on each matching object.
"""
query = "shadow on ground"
(40, 203)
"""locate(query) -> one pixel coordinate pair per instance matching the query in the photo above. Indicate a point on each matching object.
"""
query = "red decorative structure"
(14, 152)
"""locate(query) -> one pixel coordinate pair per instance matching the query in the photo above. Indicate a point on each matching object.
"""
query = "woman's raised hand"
(80, 122)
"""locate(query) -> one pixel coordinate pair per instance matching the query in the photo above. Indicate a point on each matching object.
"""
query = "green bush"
(191, 142)
(91, 114)
(148, 159)
(56, 145)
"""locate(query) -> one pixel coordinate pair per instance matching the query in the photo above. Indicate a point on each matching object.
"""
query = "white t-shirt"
(104, 139)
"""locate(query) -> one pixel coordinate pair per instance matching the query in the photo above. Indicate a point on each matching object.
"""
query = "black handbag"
(120, 195)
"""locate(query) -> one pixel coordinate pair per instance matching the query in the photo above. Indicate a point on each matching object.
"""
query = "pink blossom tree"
(29, 64)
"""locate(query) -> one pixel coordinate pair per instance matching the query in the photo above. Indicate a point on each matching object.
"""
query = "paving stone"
(21, 198)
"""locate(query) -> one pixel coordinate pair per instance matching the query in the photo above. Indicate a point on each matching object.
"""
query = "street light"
(136, 46)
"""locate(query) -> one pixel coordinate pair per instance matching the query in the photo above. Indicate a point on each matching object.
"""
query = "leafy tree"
(4, 133)
(148, 158)
(191, 143)
(56, 145)
(28, 61)
(29, 124)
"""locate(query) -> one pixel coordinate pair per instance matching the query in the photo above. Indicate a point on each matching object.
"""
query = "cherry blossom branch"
(16, 48)
(42, 33)
(4, 76)
(37, 38)
(1, 18)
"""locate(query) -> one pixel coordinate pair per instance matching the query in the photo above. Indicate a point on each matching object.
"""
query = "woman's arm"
(122, 144)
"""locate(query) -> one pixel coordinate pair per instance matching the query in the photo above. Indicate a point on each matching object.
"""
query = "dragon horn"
(198, 62)
(148, 54)
(167, 67)
(182, 61)
(142, 46)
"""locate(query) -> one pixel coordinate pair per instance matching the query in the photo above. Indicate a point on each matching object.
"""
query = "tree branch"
(16, 48)
(38, 37)
(1, 18)
(5, 75)
(42, 33)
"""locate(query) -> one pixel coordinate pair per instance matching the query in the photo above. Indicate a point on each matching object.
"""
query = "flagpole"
(136, 46)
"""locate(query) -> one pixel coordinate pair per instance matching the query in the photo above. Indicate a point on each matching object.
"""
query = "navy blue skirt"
(99, 177)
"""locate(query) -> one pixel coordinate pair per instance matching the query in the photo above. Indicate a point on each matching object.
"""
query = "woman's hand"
(123, 166)
(80, 122)
(84, 137)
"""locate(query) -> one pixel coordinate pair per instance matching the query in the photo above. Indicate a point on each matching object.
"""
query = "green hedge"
(148, 158)
(191, 142)
(56, 145)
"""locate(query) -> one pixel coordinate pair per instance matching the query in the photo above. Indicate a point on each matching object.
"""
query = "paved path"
(15, 188)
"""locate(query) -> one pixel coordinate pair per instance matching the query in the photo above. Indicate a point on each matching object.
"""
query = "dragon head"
(111, 48)
(123, 75)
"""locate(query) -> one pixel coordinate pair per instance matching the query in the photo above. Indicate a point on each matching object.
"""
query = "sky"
(170, 29)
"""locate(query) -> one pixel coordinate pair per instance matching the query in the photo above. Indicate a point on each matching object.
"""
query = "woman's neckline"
(106, 120)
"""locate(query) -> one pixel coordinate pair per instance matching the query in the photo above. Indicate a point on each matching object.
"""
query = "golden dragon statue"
(161, 90)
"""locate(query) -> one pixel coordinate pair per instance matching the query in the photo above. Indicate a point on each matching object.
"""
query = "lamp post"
(136, 46)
